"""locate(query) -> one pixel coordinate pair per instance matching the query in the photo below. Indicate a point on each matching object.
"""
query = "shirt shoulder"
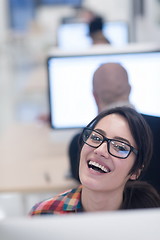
(68, 201)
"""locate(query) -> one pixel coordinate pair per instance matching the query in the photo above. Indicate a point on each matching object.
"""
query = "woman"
(116, 149)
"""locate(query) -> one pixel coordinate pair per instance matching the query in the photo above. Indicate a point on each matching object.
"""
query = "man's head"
(110, 86)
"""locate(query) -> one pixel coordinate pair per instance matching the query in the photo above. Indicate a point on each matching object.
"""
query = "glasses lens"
(92, 138)
(119, 149)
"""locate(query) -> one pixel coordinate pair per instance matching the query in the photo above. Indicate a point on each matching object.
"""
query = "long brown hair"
(140, 194)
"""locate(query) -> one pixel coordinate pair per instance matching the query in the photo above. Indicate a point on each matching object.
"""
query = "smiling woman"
(116, 148)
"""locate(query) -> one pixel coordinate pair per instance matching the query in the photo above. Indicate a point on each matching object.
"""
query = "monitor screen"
(71, 36)
(124, 224)
(70, 85)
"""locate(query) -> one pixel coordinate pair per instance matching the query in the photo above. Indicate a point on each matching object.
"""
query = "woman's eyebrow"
(100, 131)
(116, 137)
(122, 139)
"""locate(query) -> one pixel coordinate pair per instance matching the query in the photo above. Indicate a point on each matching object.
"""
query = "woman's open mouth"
(98, 167)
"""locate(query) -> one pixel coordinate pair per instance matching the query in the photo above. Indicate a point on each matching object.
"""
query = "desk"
(33, 159)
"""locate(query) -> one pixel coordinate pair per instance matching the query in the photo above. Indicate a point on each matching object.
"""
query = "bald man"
(111, 88)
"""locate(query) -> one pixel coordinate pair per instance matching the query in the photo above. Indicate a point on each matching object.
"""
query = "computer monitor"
(70, 84)
(74, 35)
(124, 224)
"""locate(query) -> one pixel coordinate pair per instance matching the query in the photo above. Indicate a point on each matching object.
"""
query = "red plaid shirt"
(64, 203)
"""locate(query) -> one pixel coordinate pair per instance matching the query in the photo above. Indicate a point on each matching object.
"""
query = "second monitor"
(70, 84)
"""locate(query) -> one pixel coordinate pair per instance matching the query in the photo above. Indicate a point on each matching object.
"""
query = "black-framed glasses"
(115, 147)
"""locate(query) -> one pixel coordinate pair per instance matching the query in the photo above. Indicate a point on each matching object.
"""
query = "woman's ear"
(136, 175)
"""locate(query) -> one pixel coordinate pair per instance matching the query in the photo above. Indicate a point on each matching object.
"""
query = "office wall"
(3, 21)
(148, 24)
(110, 9)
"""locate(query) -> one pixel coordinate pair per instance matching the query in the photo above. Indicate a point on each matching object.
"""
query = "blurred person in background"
(96, 31)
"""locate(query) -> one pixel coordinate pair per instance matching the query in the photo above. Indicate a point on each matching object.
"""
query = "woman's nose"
(102, 150)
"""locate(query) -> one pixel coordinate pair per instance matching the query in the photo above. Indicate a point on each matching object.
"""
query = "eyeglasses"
(116, 148)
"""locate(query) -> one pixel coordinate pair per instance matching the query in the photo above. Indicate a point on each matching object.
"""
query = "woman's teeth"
(98, 167)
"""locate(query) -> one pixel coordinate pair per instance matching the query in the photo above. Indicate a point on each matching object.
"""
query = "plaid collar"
(66, 202)
(72, 200)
